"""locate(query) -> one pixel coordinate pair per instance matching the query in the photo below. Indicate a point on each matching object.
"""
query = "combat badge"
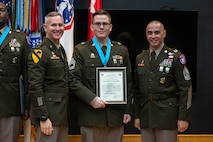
(54, 56)
(36, 55)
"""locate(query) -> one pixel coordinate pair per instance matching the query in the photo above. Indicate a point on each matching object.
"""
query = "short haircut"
(52, 14)
(101, 12)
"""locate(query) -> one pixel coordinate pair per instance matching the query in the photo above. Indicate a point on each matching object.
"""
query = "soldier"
(14, 50)
(48, 83)
(98, 120)
(162, 89)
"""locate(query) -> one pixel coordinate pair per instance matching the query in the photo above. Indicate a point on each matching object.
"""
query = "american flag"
(66, 9)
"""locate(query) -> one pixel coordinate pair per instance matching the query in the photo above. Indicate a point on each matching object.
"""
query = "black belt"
(57, 90)
(159, 96)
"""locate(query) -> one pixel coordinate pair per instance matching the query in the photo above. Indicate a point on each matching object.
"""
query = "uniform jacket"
(83, 84)
(48, 83)
(14, 51)
(162, 95)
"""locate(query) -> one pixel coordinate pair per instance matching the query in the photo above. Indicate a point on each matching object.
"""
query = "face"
(101, 26)
(155, 34)
(3, 15)
(54, 28)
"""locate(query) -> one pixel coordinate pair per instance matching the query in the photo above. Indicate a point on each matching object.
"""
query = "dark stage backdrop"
(129, 28)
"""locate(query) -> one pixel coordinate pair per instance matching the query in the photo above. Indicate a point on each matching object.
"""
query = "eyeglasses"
(98, 24)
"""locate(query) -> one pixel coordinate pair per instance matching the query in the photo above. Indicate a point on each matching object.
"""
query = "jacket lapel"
(160, 58)
(6, 40)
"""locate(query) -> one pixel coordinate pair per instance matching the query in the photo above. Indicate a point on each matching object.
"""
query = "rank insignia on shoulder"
(36, 55)
(119, 43)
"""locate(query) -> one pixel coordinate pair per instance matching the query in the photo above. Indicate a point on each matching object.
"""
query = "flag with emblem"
(66, 9)
(94, 5)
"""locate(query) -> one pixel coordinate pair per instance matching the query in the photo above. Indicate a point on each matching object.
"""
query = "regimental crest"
(66, 9)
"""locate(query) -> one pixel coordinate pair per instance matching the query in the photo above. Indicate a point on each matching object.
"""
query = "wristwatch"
(43, 118)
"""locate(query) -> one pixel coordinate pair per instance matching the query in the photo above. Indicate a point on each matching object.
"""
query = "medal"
(161, 68)
(167, 69)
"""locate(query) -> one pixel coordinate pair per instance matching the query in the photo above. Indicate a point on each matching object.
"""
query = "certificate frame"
(111, 84)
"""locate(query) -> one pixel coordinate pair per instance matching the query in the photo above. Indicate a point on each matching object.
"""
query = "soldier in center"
(99, 121)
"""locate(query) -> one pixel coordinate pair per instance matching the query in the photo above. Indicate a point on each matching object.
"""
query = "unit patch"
(182, 59)
(36, 55)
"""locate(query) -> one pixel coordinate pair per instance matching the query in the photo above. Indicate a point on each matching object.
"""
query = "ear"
(45, 27)
(164, 33)
(110, 28)
(91, 27)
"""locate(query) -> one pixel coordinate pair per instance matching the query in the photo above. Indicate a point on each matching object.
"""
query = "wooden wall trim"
(137, 138)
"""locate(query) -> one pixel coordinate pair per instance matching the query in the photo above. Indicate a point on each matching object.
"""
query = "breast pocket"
(55, 68)
(90, 68)
(141, 75)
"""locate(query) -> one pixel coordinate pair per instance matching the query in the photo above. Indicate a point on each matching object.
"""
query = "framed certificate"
(111, 84)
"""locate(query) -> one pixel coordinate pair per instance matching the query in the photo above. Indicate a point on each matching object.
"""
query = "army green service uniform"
(162, 94)
(14, 51)
(48, 84)
(83, 84)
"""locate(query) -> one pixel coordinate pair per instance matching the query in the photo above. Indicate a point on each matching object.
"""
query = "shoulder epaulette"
(18, 31)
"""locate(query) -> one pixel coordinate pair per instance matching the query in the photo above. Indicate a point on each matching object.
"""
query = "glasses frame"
(99, 24)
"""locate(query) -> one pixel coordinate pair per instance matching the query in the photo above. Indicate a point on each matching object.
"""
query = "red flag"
(34, 15)
(94, 5)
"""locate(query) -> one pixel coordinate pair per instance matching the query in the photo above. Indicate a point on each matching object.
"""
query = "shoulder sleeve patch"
(182, 59)
(36, 55)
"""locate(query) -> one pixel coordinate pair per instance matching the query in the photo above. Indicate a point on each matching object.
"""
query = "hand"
(98, 103)
(127, 118)
(137, 123)
(26, 115)
(182, 125)
(46, 127)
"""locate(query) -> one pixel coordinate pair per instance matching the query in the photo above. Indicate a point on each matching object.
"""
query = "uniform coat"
(83, 84)
(162, 94)
(13, 63)
(48, 84)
